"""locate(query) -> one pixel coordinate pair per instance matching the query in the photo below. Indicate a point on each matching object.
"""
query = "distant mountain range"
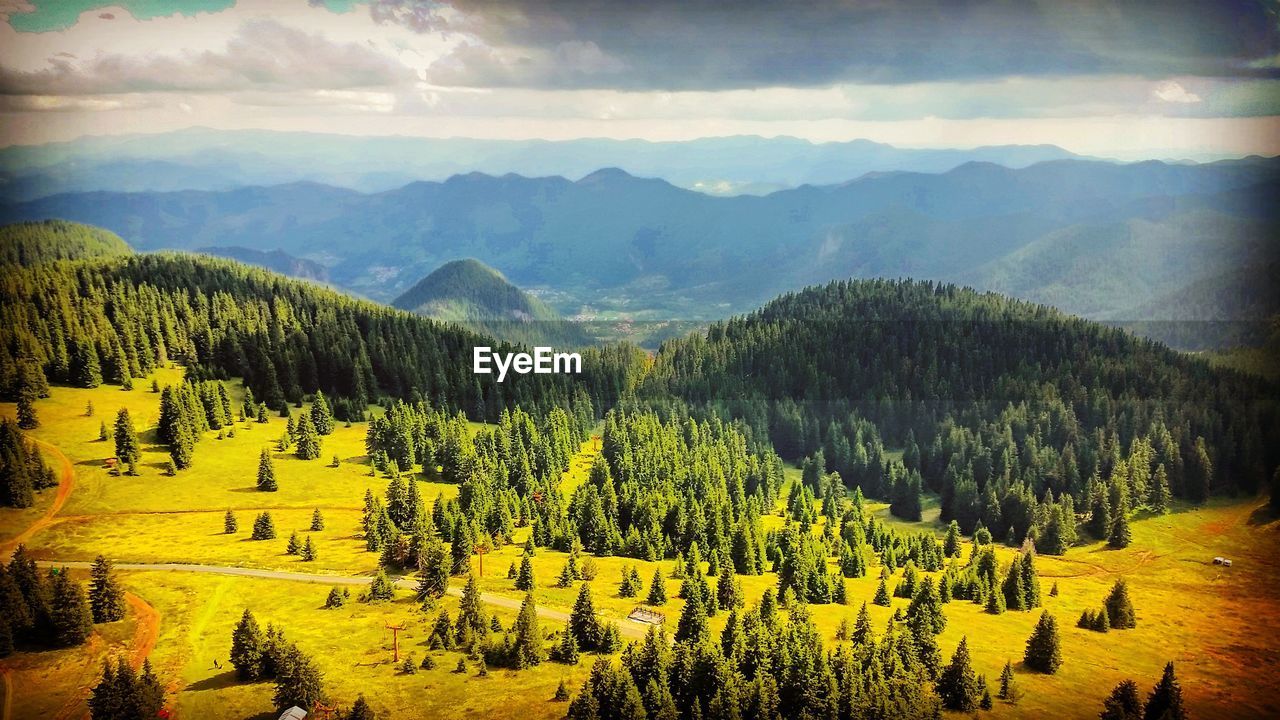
(474, 295)
(202, 159)
(277, 260)
(1098, 239)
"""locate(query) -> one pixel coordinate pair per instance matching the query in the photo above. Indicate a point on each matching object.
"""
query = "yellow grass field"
(1218, 625)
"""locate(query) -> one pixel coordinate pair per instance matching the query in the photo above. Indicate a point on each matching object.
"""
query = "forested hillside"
(116, 319)
(1006, 409)
(477, 296)
(34, 242)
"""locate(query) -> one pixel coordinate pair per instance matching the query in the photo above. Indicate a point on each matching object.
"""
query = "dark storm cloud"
(701, 44)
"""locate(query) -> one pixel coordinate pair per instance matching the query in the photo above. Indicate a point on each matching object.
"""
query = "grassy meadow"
(1216, 624)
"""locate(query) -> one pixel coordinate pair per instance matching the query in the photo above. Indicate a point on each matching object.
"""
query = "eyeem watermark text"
(543, 361)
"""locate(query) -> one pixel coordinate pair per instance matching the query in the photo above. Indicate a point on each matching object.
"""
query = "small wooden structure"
(645, 615)
(111, 463)
(395, 641)
(293, 713)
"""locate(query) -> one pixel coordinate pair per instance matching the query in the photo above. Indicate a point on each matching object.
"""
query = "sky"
(1135, 79)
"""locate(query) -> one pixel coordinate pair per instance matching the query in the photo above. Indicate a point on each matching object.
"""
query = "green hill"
(28, 243)
(474, 295)
(997, 402)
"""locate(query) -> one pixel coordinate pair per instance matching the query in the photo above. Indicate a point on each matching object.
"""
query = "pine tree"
(958, 686)
(361, 710)
(1120, 535)
(295, 544)
(583, 622)
(335, 599)
(27, 412)
(317, 520)
(229, 523)
(692, 627)
(433, 578)
(298, 682)
(1123, 703)
(1009, 690)
(951, 546)
(266, 472)
(69, 614)
(1199, 473)
(657, 589)
(1165, 700)
(308, 439)
(472, 621)
(566, 651)
(1120, 607)
(127, 448)
(524, 579)
(1044, 651)
(106, 598)
(462, 547)
(527, 635)
(925, 612)
(321, 415)
(308, 552)
(1160, 495)
(247, 648)
(264, 528)
(882, 595)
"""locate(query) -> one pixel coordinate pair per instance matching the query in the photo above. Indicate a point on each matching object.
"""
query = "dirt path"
(147, 631)
(66, 483)
(628, 628)
(8, 694)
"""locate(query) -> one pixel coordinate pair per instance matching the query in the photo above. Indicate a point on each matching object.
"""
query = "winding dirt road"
(66, 483)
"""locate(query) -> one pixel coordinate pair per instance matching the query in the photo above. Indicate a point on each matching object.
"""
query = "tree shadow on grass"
(1263, 515)
(220, 681)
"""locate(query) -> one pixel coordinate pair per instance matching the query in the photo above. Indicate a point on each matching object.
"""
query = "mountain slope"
(474, 295)
(34, 242)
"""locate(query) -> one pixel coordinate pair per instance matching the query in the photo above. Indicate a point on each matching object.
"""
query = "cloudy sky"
(1123, 79)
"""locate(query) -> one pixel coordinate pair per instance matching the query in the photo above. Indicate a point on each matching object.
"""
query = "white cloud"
(1171, 91)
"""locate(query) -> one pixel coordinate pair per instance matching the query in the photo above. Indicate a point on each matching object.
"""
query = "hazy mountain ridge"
(614, 241)
(276, 260)
(203, 159)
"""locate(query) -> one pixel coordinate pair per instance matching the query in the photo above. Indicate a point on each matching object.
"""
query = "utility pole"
(480, 550)
(395, 639)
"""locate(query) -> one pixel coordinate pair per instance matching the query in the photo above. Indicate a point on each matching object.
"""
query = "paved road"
(628, 627)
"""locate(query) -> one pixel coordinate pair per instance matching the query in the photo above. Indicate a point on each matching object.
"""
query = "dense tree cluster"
(1017, 415)
(762, 666)
(508, 477)
(118, 318)
(41, 610)
(666, 487)
(122, 694)
(189, 410)
(23, 472)
(258, 655)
